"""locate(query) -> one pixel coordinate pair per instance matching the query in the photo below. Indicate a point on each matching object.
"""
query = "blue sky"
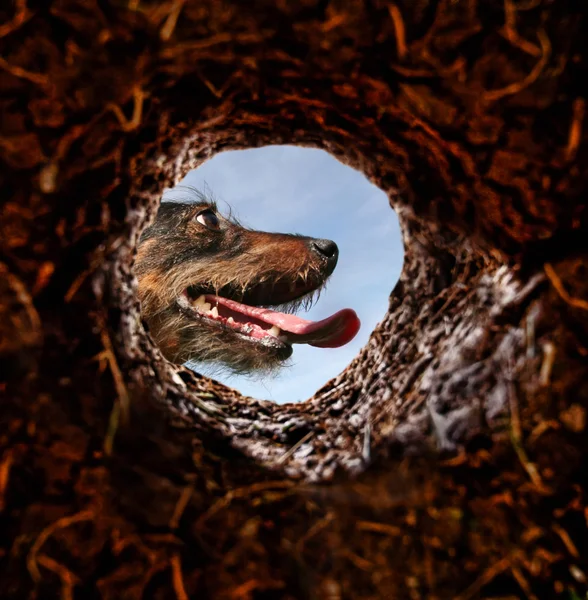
(290, 189)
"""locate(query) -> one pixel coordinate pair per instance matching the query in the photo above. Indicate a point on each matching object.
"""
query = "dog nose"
(326, 248)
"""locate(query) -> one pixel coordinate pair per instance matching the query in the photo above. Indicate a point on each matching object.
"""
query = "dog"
(206, 285)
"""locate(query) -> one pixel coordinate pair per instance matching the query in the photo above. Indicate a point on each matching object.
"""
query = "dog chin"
(202, 340)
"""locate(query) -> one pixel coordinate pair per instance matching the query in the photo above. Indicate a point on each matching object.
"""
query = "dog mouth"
(266, 326)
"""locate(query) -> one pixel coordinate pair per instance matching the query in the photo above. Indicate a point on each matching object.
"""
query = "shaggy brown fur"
(180, 258)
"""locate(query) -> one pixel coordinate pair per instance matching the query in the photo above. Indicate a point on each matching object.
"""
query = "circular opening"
(307, 191)
(362, 410)
(310, 439)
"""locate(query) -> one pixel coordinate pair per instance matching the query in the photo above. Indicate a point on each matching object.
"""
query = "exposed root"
(5, 465)
(185, 496)
(243, 492)
(194, 46)
(177, 577)
(334, 22)
(153, 570)
(32, 560)
(523, 583)
(487, 576)
(37, 78)
(517, 440)
(399, 30)
(113, 423)
(68, 579)
(245, 590)
(559, 288)
(316, 528)
(549, 352)
(121, 407)
(121, 543)
(383, 528)
(510, 32)
(77, 283)
(135, 121)
(170, 23)
(566, 539)
(575, 134)
(21, 16)
(295, 447)
(358, 561)
(518, 86)
(541, 429)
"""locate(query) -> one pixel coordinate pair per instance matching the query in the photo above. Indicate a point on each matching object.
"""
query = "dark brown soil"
(449, 460)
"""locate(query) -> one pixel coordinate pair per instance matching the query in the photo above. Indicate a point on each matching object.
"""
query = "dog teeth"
(201, 300)
(202, 306)
(275, 331)
(231, 320)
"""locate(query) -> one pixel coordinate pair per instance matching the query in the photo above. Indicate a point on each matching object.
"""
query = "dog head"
(210, 288)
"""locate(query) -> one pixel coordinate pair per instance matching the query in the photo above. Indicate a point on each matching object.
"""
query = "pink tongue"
(332, 332)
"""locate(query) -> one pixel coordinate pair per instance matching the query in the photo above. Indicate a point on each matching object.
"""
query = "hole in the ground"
(290, 189)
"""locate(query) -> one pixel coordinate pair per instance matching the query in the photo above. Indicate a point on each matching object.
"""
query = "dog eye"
(208, 219)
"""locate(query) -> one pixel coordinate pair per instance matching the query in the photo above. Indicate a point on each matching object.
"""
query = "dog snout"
(327, 249)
